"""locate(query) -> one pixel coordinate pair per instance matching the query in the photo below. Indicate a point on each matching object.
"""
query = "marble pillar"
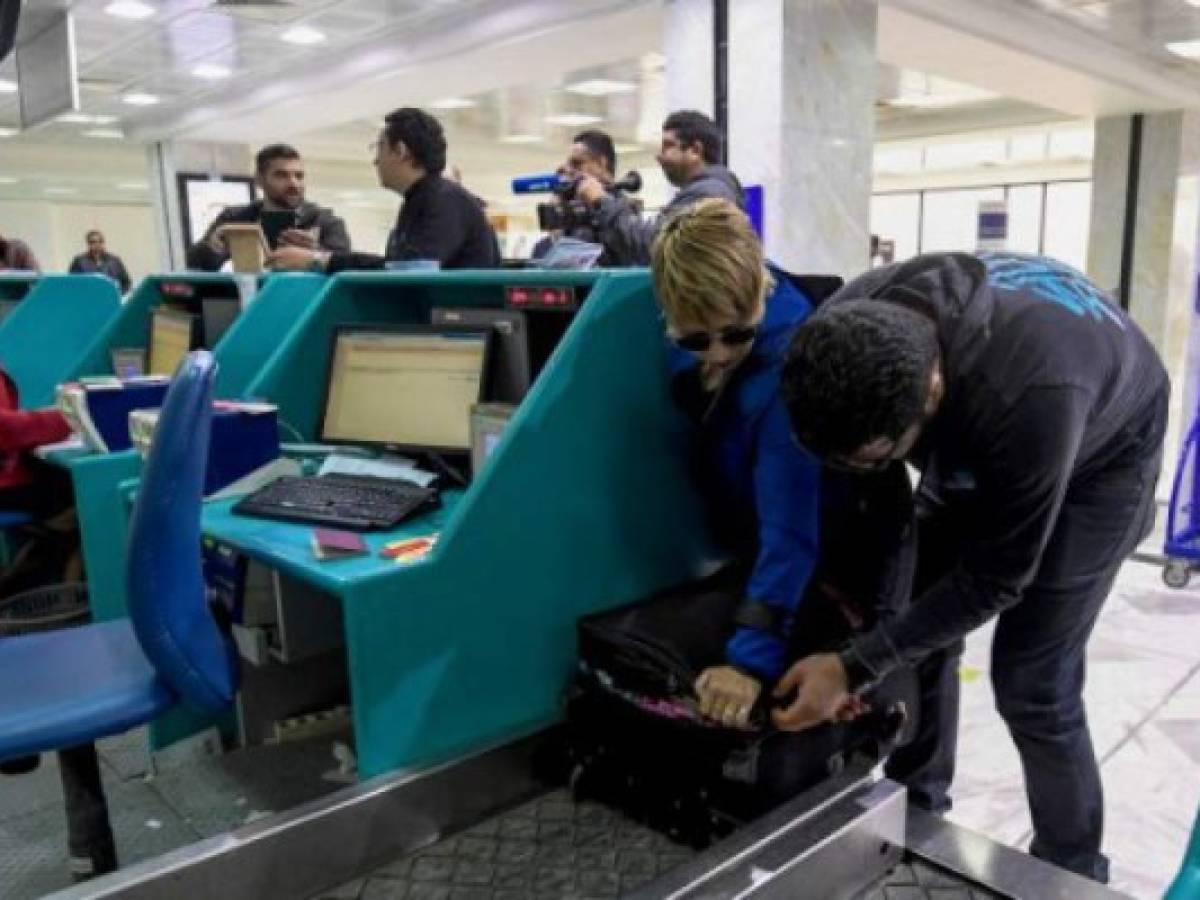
(802, 86)
(688, 44)
(1166, 253)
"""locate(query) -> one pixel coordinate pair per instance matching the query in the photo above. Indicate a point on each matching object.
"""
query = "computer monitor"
(172, 335)
(217, 314)
(409, 387)
(509, 375)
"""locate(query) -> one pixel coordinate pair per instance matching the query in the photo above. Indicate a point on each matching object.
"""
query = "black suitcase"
(633, 740)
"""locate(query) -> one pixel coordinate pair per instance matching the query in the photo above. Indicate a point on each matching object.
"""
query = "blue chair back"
(164, 575)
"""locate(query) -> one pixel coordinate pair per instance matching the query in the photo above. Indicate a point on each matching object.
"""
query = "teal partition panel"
(585, 504)
(261, 328)
(43, 340)
(295, 377)
(131, 326)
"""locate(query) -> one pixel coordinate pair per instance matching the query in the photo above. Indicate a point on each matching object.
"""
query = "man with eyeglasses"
(1035, 410)
(440, 223)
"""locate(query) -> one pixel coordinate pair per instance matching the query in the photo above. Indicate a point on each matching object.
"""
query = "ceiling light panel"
(601, 87)
(7, 87)
(140, 99)
(130, 9)
(453, 103)
(211, 71)
(574, 120)
(303, 36)
(1186, 49)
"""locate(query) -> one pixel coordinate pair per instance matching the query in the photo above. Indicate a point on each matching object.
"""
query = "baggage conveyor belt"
(482, 828)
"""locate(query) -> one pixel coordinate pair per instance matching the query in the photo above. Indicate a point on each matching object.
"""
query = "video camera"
(568, 214)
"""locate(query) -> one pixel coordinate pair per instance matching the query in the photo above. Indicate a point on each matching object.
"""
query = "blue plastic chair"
(62, 689)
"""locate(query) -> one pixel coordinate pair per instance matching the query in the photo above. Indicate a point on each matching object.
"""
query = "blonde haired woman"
(730, 316)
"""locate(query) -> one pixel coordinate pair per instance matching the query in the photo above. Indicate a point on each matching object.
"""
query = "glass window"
(1025, 218)
(951, 219)
(1068, 215)
(895, 217)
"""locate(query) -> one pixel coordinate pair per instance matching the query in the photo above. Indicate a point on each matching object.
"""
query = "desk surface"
(288, 547)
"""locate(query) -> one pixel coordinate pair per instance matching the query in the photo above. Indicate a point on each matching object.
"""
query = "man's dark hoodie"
(627, 238)
(1048, 384)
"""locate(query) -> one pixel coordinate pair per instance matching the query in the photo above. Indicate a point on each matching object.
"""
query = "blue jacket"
(764, 488)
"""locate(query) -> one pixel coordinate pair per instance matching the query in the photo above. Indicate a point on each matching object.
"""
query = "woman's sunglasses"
(730, 336)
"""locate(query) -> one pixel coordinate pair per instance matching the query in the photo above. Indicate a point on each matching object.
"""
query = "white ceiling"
(1027, 61)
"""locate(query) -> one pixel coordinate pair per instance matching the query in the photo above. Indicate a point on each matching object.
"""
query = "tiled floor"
(150, 814)
(1143, 700)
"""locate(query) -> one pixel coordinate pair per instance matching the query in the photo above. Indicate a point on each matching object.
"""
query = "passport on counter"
(329, 543)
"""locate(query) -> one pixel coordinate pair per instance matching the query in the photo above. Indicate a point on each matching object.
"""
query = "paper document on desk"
(386, 466)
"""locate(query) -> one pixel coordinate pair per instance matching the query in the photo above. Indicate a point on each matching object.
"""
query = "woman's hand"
(727, 695)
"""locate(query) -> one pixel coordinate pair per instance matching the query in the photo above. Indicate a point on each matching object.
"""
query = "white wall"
(56, 232)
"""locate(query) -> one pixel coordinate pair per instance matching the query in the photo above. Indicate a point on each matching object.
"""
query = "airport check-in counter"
(103, 483)
(52, 329)
(584, 504)
(457, 662)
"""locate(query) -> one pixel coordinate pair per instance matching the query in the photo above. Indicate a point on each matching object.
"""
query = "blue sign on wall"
(754, 208)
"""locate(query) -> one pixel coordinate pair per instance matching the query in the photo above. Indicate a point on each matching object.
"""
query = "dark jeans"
(1039, 663)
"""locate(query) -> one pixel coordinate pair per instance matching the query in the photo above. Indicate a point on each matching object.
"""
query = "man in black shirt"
(100, 261)
(279, 173)
(1035, 410)
(439, 219)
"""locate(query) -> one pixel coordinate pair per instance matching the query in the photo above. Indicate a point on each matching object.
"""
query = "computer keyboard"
(357, 502)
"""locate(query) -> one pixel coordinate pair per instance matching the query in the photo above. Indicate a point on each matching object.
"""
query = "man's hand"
(216, 240)
(298, 237)
(589, 189)
(822, 694)
(727, 695)
(291, 259)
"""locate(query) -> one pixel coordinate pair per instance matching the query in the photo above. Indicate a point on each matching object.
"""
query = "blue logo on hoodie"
(1052, 281)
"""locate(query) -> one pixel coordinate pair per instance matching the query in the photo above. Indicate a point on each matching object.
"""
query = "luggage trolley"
(1182, 546)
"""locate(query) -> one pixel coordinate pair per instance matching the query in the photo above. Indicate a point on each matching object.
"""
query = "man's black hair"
(421, 133)
(599, 144)
(856, 371)
(692, 126)
(272, 152)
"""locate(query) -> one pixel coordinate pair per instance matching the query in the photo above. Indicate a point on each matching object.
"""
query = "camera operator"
(592, 155)
(690, 156)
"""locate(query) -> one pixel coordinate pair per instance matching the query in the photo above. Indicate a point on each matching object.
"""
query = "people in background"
(439, 220)
(16, 255)
(280, 175)
(98, 260)
(729, 317)
(690, 156)
(1035, 410)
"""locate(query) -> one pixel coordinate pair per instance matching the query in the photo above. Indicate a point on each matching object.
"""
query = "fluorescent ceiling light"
(629, 148)
(521, 139)
(140, 99)
(133, 186)
(303, 35)
(129, 9)
(7, 87)
(8, 179)
(8, 132)
(453, 103)
(59, 190)
(1186, 49)
(111, 134)
(85, 119)
(210, 72)
(601, 87)
(574, 120)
